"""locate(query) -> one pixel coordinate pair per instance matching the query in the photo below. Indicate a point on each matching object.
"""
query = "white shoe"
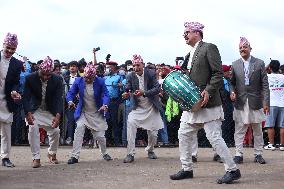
(270, 147)
(281, 147)
(68, 141)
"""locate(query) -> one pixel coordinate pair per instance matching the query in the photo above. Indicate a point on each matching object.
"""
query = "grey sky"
(68, 29)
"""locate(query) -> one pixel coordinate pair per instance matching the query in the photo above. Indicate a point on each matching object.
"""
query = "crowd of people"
(107, 104)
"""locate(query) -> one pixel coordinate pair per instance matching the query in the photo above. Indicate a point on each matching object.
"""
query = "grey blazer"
(257, 92)
(151, 87)
(206, 71)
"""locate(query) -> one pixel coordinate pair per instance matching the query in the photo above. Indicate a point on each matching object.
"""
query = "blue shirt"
(23, 76)
(226, 84)
(111, 82)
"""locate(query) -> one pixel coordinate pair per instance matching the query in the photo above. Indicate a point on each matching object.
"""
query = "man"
(81, 66)
(10, 69)
(281, 69)
(144, 89)
(43, 107)
(69, 78)
(113, 83)
(206, 72)
(250, 93)
(228, 125)
(276, 116)
(90, 111)
(57, 67)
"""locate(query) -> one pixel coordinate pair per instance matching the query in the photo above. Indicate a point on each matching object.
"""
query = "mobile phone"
(179, 58)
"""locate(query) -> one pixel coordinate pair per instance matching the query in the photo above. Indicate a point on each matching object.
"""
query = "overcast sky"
(68, 29)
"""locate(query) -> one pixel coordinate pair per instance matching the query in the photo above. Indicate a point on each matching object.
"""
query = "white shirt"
(5, 115)
(276, 87)
(246, 70)
(72, 79)
(192, 51)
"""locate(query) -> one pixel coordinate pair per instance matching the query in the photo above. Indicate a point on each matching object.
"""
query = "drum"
(182, 90)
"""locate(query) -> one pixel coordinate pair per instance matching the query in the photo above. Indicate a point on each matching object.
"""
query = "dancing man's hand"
(55, 121)
(233, 96)
(205, 96)
(15, 96)
(103, 108)
(71, 105)
(139, 93)
(125, 95)
(30, 118)
(265, 109)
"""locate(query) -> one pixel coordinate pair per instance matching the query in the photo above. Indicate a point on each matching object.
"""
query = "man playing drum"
(206, 72)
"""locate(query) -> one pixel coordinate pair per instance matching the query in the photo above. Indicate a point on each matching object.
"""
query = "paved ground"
(93, 172)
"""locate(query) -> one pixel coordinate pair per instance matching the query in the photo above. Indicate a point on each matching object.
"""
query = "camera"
(179, 58)
(97, 49)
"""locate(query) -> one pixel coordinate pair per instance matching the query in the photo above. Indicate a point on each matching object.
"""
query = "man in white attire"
(143, 89)
(205, 65)
(43, 105)
(10, 69)
(90, 111)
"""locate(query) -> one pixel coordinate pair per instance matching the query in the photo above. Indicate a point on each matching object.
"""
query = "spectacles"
(188, 32)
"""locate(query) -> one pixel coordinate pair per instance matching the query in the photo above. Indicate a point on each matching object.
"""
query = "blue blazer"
(101, 96)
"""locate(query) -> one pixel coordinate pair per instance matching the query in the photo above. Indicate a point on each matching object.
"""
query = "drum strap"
(185, 63)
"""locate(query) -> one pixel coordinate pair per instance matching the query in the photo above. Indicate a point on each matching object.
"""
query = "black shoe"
(229, 177)
(194, 159)
(259, 159)
(182, 175)
(238, 159)
(128, 159)
(217, 158)
(72, 160)
(152, 155)
(7, 163)
(107, 157)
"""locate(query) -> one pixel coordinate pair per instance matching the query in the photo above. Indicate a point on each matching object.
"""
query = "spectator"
(19, 129)
(281, 69)
(276, 116)
(114, 86)
(228, 125)
(81, 66)
(69, 78)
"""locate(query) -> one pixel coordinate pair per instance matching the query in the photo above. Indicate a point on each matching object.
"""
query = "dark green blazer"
(206, 71)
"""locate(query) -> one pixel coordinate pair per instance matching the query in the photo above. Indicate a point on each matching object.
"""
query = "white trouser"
(131, 136)
(194, 146)
(5, 129)
(212, 129)
(240, 131)
(78, 140)
(34, 139)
